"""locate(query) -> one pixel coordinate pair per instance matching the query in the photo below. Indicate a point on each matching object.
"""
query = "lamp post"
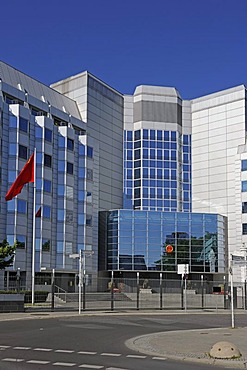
(82, 273)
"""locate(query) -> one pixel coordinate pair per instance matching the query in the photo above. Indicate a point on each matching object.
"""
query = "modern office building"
(119, 175)
(157, 150)
(219, 158)
(76, 174)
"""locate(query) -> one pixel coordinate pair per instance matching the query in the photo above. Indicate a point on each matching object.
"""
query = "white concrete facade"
(218, 146)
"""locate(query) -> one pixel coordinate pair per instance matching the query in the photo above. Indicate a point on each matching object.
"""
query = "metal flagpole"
(34, 226)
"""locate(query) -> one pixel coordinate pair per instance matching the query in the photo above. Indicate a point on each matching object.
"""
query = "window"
(20, 241)
(244, 227)
(46, 244)
(244, 207)
(81, 149)
(48, 135)
(89, 197)
(12, 149)
(89, 174)
(22, 151)
(70, 144)
(23, 124)
(88, 220)
(47, 186)
(69, 192)
(244, 165)
(12, 121)
(46, 211)
(21, 206)
(70, 168)
(244, 186)
(68, 248)
(90, 152)
(60, 215)
(69, 217)
(47, 160)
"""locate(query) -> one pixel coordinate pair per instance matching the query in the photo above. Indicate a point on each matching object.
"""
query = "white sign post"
(82, 271)
(183, 269)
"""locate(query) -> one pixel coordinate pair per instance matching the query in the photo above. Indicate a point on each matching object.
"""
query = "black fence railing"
(133, 294)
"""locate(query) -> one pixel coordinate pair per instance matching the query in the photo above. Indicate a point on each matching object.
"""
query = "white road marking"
(4, 346)
(86, 353)
(92, 366)
(22, 348)
(111, 354)
(13, 359)
(64, 364)
(43, 349)
(38, 362)
(64, 351)
(159, 358)
(136, 356)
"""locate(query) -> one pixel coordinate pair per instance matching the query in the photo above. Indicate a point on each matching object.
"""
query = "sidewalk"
(193, 345)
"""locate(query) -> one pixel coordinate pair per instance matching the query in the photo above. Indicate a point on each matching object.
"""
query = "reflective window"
(22, 151)
(38, 132)
(47, 160)
(21, 206)
(244, 165)
(48, 135)
(61, 190)
(12, 121)
(12, 149)
(61, 141)
(81, 149)
(89, 152)
(23, 124)
(46, 245)
(70, 144)
(70, 168)
(244, 186)
(47, 186)
(46, 211)
(21, 241)
(60, 247)
(60, 214)
(244, 207)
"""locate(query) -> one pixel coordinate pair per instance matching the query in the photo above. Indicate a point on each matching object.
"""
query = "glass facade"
(137, 240)
(157, 170)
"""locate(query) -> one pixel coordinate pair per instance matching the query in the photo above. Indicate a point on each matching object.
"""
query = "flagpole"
(34, 227)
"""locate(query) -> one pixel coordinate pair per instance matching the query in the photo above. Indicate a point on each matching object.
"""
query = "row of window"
(48, 134)
(153, 135)
(62, 215)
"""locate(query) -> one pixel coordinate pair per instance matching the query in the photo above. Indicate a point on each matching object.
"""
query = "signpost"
(183, 269)
(82, 273)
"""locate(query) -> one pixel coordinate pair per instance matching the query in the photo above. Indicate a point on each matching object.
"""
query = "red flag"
(26, 175)
(38, 213)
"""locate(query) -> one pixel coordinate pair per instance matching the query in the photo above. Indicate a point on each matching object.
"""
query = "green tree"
(7, 254)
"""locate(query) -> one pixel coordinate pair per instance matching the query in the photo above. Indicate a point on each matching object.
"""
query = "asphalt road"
(96, 342)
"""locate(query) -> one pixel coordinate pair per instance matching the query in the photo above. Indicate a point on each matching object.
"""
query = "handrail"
(60, 291)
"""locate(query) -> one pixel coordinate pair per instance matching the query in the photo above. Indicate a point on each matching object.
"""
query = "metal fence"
(136, 294)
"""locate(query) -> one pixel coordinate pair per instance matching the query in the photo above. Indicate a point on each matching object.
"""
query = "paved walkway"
(193, 345)
(185, 345)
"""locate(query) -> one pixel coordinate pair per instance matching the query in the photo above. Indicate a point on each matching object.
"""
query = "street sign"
(74, 255)
(183, 269)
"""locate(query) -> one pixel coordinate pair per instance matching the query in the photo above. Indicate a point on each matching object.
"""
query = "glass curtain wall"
(137, 240)
(157, 170)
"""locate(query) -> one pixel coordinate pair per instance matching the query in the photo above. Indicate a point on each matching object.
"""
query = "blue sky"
(198, 46)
